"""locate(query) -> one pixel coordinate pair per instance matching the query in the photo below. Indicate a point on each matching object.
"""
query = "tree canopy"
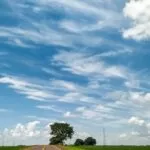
(60, 133)
(90, 141)
(79, 142)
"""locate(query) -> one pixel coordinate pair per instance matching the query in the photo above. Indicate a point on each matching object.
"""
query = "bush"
(90, 141)
(79, 142)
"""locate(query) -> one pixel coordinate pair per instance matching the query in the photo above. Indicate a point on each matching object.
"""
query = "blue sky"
(82, 62)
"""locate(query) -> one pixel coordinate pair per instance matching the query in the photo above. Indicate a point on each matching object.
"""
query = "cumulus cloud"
(136, 121)
(140, 127)
(139, 13)
(27, 133)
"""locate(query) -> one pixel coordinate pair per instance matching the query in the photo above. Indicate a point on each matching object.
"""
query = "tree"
(60, 132)
(79, 142)
(90, 141)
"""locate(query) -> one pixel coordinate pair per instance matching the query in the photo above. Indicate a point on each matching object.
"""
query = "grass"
(108, 148)
(12, 148)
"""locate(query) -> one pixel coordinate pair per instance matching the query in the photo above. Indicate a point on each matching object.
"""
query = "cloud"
(69, 115)
(32, 91)
(136, 121)
(52, 108)
(29, 133)
(54, 90)
(140, 127)
(27, 130)
(142, 97)
(87, 8)
(138, 12)
(71, 31)
(124, 135)
(95, 112)
(86, 65)
(135, 97)
(22, 36)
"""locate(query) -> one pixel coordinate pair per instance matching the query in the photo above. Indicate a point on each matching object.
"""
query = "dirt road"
(47, 147)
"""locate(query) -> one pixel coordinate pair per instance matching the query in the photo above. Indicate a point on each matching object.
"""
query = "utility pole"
(104, 137)
(3, 139)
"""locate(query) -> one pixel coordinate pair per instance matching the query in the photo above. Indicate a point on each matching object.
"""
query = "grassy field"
(108, 148)
(12, 148)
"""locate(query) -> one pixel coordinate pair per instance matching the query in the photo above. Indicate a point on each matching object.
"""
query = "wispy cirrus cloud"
(50, 107)
(86, 65)
(30, 32)
(32, 91)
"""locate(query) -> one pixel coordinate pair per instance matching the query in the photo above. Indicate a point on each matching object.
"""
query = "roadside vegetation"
(107, 148)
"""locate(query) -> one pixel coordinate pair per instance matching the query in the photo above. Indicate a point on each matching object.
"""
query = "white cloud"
(139, 13)
(80, 109)
(132, 83)
(95, 112)
(52, 108)
(124, 135)
(136, 121)
(81, 135)
(134, 133)
(68, 114)
(25, 131)
(82, 64)
(88, 16)
(140, 127)
(72, 97)
(54, 90)
(29, 133)
(87, 8)
(141, 97)
(32, 91)
(64, 85)
(130, 97)
(45, 36)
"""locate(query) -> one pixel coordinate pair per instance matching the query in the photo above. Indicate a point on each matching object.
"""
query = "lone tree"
(90, 141)
(79, 142)
(60, 132)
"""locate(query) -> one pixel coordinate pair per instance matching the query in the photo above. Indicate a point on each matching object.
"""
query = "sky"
(81, 62)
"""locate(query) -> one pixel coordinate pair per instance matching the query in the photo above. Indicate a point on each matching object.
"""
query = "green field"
(108, 148)
(12, 148)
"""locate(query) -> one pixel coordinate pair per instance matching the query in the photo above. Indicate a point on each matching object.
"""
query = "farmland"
(81, 148)
(12, 148)
(108, 148)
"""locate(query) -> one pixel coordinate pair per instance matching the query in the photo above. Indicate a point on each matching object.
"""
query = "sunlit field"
(108, 148)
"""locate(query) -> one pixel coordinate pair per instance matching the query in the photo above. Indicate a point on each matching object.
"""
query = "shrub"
(90, 141)
(79, 142)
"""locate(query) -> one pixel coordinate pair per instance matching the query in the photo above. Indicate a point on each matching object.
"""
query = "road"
(47, 147)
